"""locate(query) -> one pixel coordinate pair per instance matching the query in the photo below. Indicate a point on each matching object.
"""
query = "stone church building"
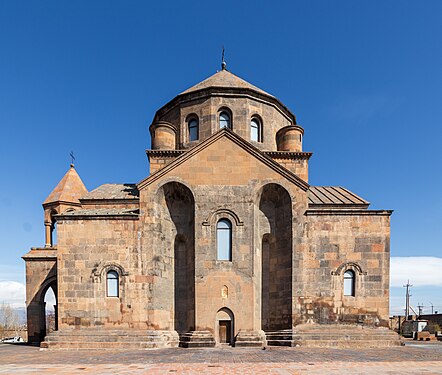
(224, 243)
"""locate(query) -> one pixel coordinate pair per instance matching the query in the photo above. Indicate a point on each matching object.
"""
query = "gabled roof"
(337, 196)
(113, 191)
(69, 190)
(224, 78)
(225, 132)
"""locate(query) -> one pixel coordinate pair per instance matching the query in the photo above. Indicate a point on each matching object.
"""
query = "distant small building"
(225, 242)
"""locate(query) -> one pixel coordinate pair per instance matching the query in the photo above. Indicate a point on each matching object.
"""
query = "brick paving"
(411, 359)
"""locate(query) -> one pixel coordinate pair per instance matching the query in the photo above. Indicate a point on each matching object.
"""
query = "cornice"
(165, 153)
(338, 206)
(41, 253)
(57, 203)
(288, 154)
(347, 212)
(61, 218)
(104, 201)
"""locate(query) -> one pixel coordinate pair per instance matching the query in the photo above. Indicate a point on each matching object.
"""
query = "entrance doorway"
(225, 328)
(224, 333)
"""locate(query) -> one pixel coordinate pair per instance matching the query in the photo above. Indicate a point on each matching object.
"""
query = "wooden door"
(225, 328)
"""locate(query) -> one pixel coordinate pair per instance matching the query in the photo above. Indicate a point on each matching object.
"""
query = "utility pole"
(407, 299)
(420, 307)
(431, 303)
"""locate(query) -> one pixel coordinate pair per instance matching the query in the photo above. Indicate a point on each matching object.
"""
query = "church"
(224, 243)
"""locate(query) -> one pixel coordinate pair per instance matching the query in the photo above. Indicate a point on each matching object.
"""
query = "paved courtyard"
(414, 358)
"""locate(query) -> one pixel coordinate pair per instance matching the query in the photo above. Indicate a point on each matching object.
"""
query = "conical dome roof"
(70, 189)
(224, 79)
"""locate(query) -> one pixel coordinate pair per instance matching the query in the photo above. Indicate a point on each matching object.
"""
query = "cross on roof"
(72, 158)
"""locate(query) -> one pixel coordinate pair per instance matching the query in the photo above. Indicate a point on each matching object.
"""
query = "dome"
(223, 98)
(224, 79)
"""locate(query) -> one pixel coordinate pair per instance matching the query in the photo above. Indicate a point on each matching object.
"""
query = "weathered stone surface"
(290, 243)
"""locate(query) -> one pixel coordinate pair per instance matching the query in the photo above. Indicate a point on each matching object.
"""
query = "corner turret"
(64, 197)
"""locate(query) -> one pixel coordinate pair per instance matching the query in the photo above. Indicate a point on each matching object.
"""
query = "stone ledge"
(288, 155)
(348, 212)
(41, 253)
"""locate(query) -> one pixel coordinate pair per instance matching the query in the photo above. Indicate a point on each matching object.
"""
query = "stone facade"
(291, 245)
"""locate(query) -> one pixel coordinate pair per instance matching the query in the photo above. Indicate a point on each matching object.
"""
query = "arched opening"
(349, 283)
(112, 284)
(193, 128)
(225, 327)
(256, 129)
(50, 313)
(178, 219)
(54, 239)
(224, 240)
(275, 229)
(225, 120)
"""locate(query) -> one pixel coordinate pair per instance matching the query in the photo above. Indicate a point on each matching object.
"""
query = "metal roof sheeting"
(334, 196)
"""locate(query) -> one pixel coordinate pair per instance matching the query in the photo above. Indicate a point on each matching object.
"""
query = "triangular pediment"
(224, 158)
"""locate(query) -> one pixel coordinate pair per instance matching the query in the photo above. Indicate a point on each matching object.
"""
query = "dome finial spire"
(223, 62)
(72, 158)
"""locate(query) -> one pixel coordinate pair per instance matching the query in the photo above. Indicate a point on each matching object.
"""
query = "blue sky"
(363, 78)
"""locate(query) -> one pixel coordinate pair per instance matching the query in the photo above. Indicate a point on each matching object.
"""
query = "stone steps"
(283, 338)
(334, 336)
(100, 345)
(350, 344)
(328, 336)
(110, 339)
(197, 339)
(250, 339)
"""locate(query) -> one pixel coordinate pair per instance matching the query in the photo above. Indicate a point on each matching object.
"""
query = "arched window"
(224, 120)
(255, 130)
(193, 129)
(53, 229)
(112, 284)
(349, 283)
(224, 240)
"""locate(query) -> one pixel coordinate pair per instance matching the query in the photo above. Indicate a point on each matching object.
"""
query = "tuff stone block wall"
(242, 109)
(297, 165)
(337, 241)
(226, 182)
(41, 274)
(288, 261)
(88, 249)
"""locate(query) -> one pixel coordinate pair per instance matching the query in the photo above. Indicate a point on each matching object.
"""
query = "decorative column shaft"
(48, 234)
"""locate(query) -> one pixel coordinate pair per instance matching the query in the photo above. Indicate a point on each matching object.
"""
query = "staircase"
(250, 339)
(334, 336)
(110, 339)
(286, 337)
(197, 339)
